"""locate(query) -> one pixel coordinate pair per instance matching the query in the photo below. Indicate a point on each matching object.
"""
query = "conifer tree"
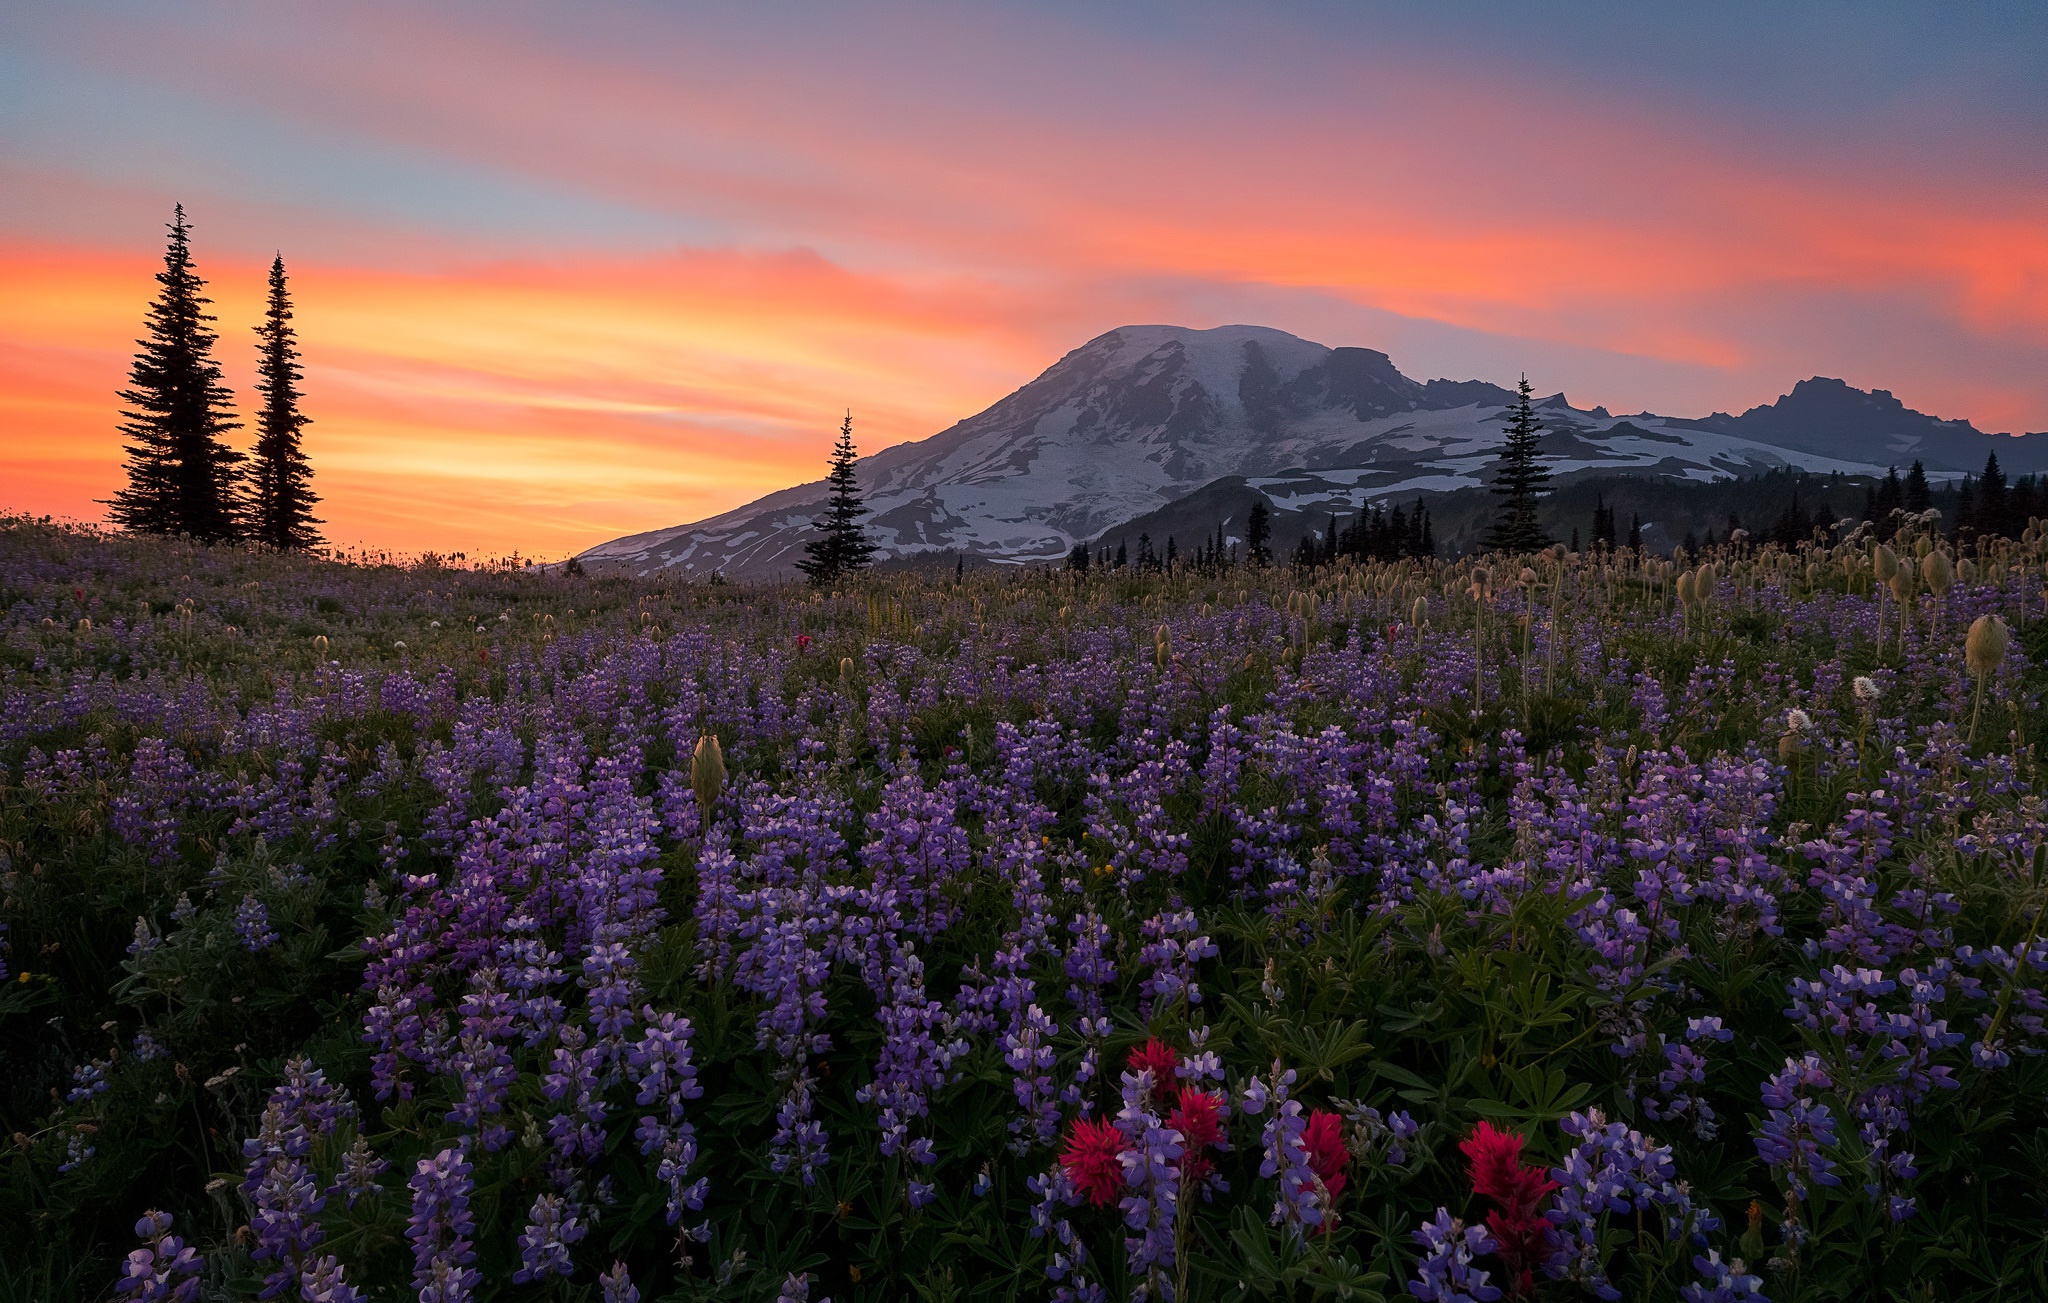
(1916, 494)
(182, 478)
(842, 547)
(1519, 483)
(281, 496)
(1992, 498)
(1258, 534)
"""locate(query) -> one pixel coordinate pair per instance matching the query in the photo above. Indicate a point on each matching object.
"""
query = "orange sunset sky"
(567, 272)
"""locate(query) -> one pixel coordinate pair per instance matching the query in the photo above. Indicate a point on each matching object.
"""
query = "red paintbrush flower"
(1198, 1116)
(1327, 1156)
(1159, 1058)
(1526, 1238)
(1092, 1160)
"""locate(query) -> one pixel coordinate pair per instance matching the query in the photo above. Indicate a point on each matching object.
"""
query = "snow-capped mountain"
(1144, 415)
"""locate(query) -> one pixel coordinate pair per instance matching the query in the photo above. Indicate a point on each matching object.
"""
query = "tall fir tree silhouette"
(1915, 494)
(1519, 483)
(281, 493)
(842, 546)
(1258, 534)
(182, 478)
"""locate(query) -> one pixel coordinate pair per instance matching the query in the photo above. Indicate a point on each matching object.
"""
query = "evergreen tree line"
(1604, 537)
(183, 477)
(1214, 552)
(1375, 534)
(1982, 506)
(1794, 525)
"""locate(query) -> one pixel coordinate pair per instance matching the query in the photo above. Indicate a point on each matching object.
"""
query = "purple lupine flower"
(1068, 1269)
(1797, 1129)
(800, 1140)
(88, 1080)
(1445, 1274)
(440, 1228)
(796, 1288)
(252, 925)
(324, 1281)
(163, 1269)
(1371, 1138)
(1286, 1159)
(1152, 1168)
(1171, 951)
(301, 1108)
(359, 1171)
(616, 1285)
(551, 1227)
(77, 1152)
(1029, 1054)
(659, 1063)
(917, 1052)
(1613, 1170)
(1725, 1282)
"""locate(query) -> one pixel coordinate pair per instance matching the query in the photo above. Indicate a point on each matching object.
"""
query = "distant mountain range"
(1142, 417)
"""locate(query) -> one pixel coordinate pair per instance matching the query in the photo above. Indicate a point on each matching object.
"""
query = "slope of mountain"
(1142, 416)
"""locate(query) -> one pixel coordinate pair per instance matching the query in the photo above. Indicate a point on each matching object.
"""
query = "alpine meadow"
(1325, 652)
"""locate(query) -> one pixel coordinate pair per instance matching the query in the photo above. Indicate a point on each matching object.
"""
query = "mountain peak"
(1830, 416)
(1145, 415)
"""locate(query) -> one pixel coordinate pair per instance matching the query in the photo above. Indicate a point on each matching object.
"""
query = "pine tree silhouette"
(1520, 483)
(842, 546)
(281, 493)
(1992, 496)
(1915, 493)
(1258, 534)
(182, 479)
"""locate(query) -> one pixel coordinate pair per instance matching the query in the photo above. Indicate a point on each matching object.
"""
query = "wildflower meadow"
(1552, 926)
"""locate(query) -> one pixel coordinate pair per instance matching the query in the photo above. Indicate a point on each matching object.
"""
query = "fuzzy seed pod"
(1162, 647)
(1688, 589)
(1527, 578)
(320, 641)
(1923, 547)
(1884, 563)
(1984, 646)
(846, 669)
(1790, 747)
(1703, 585)
(1939, 574)
(707, 772)
(1418, 614)
(1902, 587)
(85, 626)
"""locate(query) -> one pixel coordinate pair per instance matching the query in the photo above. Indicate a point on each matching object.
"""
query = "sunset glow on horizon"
(564, 274)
